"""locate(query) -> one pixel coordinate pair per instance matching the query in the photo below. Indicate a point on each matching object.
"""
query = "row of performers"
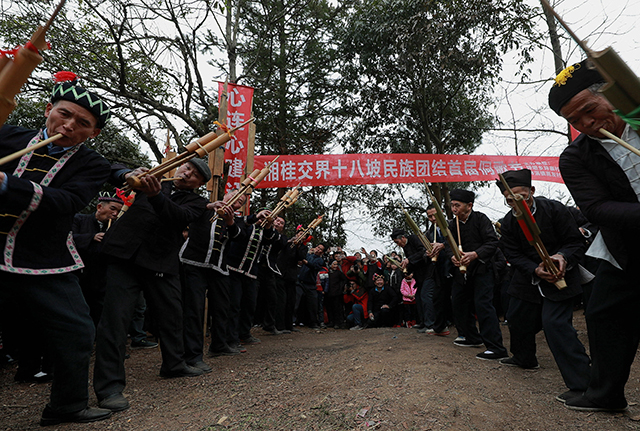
(42, 191)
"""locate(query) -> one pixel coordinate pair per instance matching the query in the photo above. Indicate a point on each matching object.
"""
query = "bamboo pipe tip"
(561, 284)
(463, 269)
(133, 182)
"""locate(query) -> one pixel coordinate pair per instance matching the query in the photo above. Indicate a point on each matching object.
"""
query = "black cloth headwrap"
(464, 196)
(521, 178)
(572, 81)
(398, 233)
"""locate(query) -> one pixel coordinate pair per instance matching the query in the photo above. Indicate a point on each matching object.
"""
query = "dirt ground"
(384, 379)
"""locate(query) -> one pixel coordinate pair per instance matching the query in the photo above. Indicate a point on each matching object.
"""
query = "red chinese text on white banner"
(239, 105)
(350, 169)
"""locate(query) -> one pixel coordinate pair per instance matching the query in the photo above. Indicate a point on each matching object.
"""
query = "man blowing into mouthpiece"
(604, 180)
(142, 248)
(39, 195)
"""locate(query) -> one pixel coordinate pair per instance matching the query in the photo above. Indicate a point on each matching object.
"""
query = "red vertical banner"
(240, 103)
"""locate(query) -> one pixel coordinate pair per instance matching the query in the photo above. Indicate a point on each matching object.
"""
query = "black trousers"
(62, 316)
(526, 319)
(125, 281)
(200, 283)
(309, 302)
(381, 317)
(613, 324)
(243, 295)
(285, 303)
(334, 305)
(267, 298)
(477, 290)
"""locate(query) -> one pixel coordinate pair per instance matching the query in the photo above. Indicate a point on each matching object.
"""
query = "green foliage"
(142, 58)
(290, 57)
(421, 75)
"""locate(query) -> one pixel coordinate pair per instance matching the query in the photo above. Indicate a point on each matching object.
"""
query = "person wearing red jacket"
(358, 297)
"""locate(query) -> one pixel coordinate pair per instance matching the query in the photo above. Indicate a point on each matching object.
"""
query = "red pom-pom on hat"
(64, 76)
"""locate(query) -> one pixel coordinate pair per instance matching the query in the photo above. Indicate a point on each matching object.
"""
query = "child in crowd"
(408, 289)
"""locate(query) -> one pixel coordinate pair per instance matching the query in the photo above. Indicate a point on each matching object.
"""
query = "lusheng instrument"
(441, 221)
(532, 232)
(246, 187)
(622, 88)
(14, 74)
(288, 199)
(421, 236)
(198, 148)
(459, 236)
(22, 152)
(302, 235)
(396, 263)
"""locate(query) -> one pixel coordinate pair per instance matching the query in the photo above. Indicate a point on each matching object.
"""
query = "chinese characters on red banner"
(239, 105)
(348, 169)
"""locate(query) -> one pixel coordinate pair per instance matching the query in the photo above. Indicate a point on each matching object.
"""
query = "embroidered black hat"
(108, 197)
(572, 81)
(67, 88)
(464, 196)
(520, 178)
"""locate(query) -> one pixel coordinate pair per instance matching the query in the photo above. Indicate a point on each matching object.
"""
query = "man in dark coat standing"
(418, 262)
(604, 182)
(39, 194)
(244, 252)
(311, 265)
(205, 274)
(268, 294)
(289, 262)
(143, 249)
(473, 291)
(536, 303)
(88, 232)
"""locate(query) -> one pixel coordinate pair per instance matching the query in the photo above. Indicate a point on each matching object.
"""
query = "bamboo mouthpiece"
(24, 151)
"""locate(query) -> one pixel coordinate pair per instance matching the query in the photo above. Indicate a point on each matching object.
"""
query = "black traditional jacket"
(288, 259)
(85, 227)
(149, 234)
(559, 234)
(419, 264)
(603, 192)
(247, 247)
(207, 245)
(477, 235)
(269, 256)
(41, 195)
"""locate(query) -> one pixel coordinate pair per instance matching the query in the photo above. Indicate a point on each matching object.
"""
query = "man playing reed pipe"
(536, 302)
(39, 194)
(418, 261)
(205, 273)
(604, 180)
(88, 232)
(474, 234)
(142, 247)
